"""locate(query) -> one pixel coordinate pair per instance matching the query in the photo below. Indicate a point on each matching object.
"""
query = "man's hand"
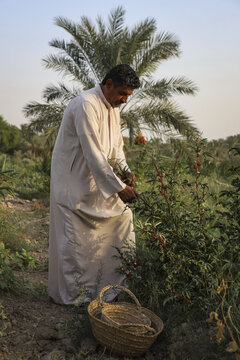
(127, 194)
(128, 178)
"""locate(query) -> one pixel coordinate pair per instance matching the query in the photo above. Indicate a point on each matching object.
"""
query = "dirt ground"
(34, 327)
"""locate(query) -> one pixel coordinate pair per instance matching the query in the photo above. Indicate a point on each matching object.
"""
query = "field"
(186, 266)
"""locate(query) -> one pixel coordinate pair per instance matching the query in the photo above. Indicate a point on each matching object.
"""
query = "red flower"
(129, 276)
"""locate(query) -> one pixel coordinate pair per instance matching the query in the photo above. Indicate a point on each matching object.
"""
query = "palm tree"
(92, 51)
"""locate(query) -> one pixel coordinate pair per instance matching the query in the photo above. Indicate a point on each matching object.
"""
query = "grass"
(12, 231)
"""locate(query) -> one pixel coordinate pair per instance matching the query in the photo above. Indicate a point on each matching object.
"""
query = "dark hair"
(123, 74)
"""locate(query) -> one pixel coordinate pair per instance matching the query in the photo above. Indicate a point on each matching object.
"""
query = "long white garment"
(87, 217)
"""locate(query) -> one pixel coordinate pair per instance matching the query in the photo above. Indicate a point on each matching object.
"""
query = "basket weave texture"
(124, 328)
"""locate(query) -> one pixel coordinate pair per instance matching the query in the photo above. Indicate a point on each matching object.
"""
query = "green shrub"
(31, 177)
(7, 277)
(9, 136)
(187, 240)
(13, 261)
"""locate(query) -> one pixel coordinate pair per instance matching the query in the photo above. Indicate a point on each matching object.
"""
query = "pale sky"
(209, 32)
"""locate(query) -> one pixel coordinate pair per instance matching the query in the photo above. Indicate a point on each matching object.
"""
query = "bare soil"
(35, 327)
(33, 324)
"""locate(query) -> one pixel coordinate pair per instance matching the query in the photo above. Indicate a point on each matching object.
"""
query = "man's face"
(116, 95)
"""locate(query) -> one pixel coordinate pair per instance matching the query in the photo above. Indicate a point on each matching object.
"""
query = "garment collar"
(100, 93)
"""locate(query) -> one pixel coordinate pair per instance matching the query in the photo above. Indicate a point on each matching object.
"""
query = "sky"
(209, 34)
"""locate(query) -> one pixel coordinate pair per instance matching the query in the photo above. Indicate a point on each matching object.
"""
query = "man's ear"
(109, 83)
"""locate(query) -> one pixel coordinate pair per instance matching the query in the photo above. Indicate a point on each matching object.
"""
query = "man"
(88, 217)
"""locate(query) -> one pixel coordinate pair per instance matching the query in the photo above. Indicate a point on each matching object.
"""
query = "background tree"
(92, 51)
(9, 136)
(32, 142)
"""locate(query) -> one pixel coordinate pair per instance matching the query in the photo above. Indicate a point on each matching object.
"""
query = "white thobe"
(88, 220)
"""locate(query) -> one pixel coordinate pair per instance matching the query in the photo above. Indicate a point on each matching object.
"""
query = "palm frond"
(116, 36)
(136, 39)
(101, 27)
(166, 88)
(116, 21)
(94, 49)
(157, 49)
(43, 116)
(60, 92)
(164, 115)
(65, 65)
(83, 34)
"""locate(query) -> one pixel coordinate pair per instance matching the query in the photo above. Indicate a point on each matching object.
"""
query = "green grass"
(12, 233)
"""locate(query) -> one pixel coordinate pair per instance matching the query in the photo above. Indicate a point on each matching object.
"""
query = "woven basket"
(131, 338)
(125, 315)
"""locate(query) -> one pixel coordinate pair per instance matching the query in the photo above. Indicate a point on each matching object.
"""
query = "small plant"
(7, 277)
(5, 175)
(3, 317)
(11, 261)
(226, 324)
(23, 260)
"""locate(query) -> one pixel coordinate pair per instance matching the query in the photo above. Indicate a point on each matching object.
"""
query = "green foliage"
(187, 239)
(31, 142)
(7, 277)
(11, 260)
(5, 175)
(31, 176)
(23, 260)
(11, 232)
(13, 251)
(9, 136)
(11, 240)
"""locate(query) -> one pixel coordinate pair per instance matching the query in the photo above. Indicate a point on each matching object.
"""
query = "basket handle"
(149, 328)
(121, 288)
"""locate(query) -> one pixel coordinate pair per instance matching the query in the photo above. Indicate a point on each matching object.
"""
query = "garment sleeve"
(86, 123)
(120, 157)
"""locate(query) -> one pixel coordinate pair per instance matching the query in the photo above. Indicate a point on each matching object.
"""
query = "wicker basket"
(129, 330)
(125, 315)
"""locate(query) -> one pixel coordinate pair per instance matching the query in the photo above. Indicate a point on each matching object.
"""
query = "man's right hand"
(127, 194)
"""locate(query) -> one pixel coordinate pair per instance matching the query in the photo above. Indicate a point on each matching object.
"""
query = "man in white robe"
(88, 214)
